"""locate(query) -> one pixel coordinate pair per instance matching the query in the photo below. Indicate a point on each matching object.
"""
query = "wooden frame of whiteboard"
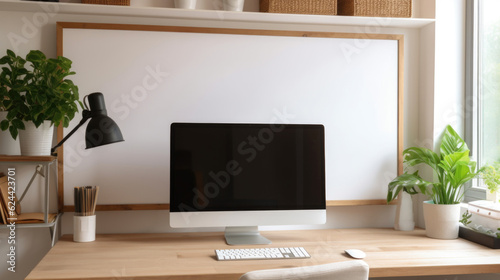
(364, 36)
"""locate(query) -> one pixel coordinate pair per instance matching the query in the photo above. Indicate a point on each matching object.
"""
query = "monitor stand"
(244, 236)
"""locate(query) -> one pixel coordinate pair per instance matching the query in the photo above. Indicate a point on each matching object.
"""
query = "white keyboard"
(261, 253)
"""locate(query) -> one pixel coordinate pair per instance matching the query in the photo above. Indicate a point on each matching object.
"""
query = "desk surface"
(191, 255)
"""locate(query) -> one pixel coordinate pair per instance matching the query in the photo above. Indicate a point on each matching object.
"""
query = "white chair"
(347, 270)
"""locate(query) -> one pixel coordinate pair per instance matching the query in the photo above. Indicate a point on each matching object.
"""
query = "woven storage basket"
(108, 2)
(312, 7)
(375, 8)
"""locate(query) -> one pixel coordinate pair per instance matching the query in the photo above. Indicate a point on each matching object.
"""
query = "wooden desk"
(191, 255)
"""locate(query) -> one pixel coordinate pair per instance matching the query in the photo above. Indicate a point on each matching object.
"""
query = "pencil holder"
(84, 228)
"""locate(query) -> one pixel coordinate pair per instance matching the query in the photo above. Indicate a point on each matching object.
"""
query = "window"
(483, 84)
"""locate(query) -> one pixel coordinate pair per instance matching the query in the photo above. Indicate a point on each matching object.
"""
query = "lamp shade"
(101, 130)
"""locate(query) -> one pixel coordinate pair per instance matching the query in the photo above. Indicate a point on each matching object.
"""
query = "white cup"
(185, 4)
(233, 5)
(83, 228)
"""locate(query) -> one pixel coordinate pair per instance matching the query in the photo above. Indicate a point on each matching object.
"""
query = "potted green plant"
(491, 177)
(452, 169)
(37, 97)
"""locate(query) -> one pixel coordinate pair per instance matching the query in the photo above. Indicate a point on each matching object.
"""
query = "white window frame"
(472, 104)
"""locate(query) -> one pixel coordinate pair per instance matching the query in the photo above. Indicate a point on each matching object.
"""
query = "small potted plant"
(37, 97)
(452, 170)
(486, 235)
(491, 178)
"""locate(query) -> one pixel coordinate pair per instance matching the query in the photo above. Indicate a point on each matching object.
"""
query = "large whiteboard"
(152, 76)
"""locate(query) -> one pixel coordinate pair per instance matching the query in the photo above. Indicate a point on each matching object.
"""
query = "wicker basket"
(375, 8)
(312, 7)
(108, 2)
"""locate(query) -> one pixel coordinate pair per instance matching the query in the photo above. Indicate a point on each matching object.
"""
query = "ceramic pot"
(441, 220)
(84, 228)
(233, 5)
(404, 213)
(36, 141)
(185, 4)
(8, 146)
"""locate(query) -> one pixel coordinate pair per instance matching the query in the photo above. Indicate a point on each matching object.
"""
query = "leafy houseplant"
(491, 177)
(452, 169)
(38, 93)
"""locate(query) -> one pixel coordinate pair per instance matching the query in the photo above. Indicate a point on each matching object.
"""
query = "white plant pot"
(441, 220)
(233, 5)
(8, 146)
(185, 4)
(404, 213)
(495, 197)
(36, 141)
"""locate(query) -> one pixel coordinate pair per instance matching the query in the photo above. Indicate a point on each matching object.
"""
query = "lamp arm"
(85, 116)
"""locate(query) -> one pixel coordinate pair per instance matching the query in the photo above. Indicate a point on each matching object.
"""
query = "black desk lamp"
(101, 129)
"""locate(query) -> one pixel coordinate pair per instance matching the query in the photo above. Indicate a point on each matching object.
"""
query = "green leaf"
(23, 109)
(406, 182)
(66, 122)
(4, 125)
(414, 156)
(7, 104)
(450, 162)
(4, 60)
(452, 142)
(18, 124)
(36, 111)
(12, 113)
(464, 173)
(35, 56)
(13, 132)
(11, 53)
(38, 122)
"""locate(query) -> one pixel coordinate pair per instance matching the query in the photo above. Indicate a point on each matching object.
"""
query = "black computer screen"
(238, 167)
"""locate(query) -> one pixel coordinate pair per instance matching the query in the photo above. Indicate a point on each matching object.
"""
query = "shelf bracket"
(38, 171)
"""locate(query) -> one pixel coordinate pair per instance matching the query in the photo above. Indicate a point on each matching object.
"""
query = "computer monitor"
(241, 176)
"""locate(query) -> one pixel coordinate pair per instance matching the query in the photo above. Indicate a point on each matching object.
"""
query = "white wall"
(24, 31)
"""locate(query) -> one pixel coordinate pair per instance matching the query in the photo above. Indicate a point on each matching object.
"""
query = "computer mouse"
(355, 253)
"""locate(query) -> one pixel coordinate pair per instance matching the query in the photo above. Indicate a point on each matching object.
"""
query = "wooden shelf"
(44, 161)
(214, 15)
(26, 159)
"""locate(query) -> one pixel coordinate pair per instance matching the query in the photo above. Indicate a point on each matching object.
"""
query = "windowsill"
(475, 193)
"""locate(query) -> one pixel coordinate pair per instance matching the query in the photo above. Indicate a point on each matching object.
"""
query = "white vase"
(8, 146)
(185, 4)
(233, 5)
(441, 220)
(36, 141)
(404, 213)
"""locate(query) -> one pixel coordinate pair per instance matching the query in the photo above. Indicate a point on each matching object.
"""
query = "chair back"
(347, 270)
